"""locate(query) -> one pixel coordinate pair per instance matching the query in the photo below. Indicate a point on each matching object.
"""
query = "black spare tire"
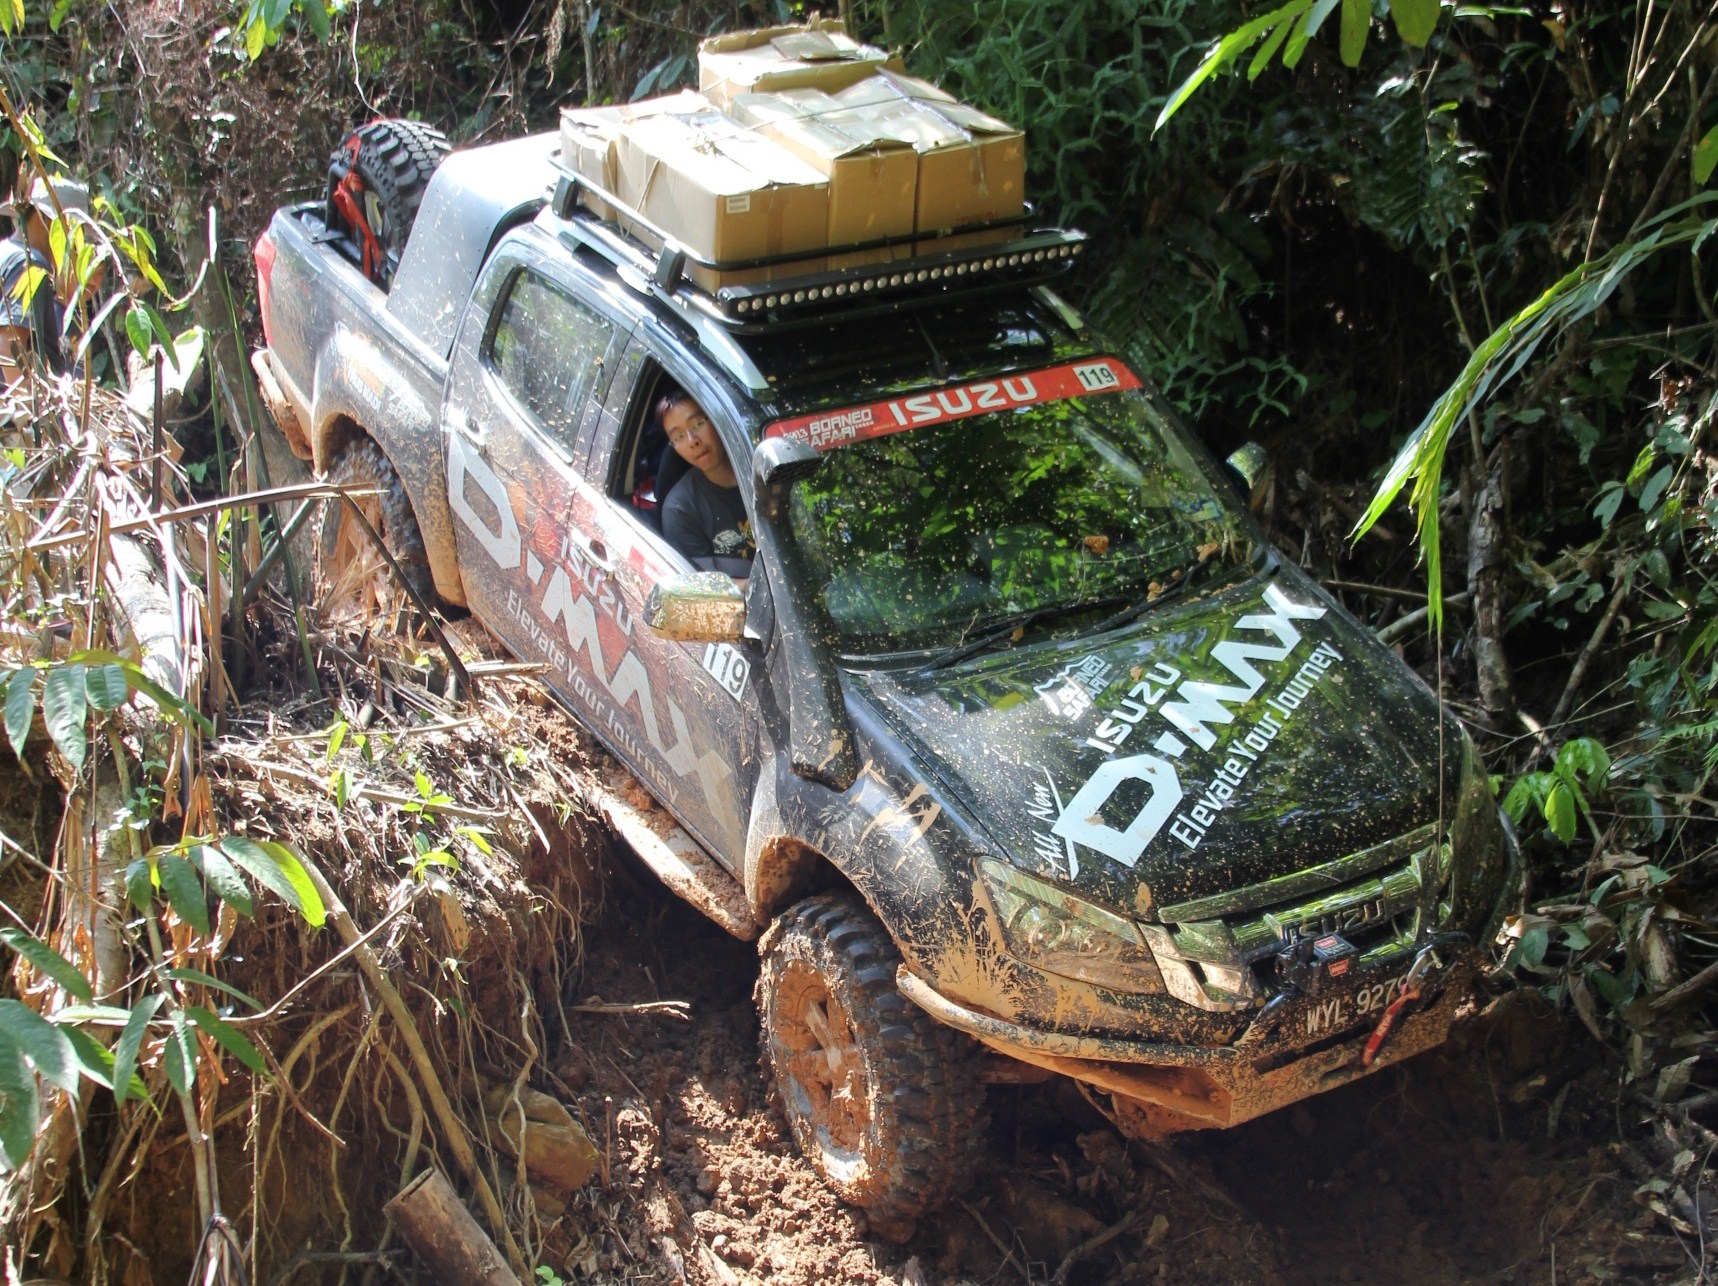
(883, 1101)
(376, 181)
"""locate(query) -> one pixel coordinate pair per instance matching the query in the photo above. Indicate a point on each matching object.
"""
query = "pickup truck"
(1021, 752)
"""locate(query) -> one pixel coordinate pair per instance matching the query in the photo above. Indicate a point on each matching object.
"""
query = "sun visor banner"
(826, 430)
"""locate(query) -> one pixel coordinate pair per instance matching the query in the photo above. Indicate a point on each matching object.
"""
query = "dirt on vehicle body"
(1019, 735)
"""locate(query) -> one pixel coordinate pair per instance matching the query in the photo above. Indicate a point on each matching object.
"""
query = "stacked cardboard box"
(824, 144)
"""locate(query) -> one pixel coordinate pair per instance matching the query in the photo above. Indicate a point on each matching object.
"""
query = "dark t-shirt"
(708, 524)
(44, 316)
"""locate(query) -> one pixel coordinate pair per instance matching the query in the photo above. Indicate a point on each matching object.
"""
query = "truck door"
(530, 368)
(712, 700)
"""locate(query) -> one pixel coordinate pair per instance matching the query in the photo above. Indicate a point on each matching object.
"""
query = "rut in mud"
(1495, 1159)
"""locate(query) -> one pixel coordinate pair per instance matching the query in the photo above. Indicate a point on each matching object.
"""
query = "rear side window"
(546, 350)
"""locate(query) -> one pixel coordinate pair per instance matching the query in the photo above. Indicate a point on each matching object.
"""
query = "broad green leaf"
(275, 867)
(337, 738)
(44, 1044)
(1560, 811)
(20, 1111)
(137, 329)
(1305, 30)
(1268, 50)
(184, 891)
(315, 16)
(65, 706)
(49, 962)
(1415, 20)
(229, 1038)
(1654, 486)
(106, 686)
(223, 877)
(140, 882)
(181, 1053)
(130, 1041)
(256, 35)
(100, 1015)
(1706, 155)
(1610, 500)
(95, 1061)
(205, 980)
(1530, 951)
(20, 704)
(1356, 20)
(11, 16)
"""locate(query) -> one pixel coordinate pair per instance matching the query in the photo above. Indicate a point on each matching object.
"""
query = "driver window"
(546, 350)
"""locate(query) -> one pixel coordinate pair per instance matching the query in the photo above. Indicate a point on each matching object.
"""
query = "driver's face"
(694, 438)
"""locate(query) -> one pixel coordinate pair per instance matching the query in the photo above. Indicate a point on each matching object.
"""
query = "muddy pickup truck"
(1019, 752)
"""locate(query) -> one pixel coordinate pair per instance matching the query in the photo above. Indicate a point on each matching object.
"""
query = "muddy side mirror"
(1247, 466)
(696, 607)
(777, 464)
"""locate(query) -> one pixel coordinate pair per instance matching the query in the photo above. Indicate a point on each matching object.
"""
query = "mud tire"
(896, 1128)
(350, 575)
(395, 161)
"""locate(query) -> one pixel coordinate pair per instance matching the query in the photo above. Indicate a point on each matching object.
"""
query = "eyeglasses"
(696, 428)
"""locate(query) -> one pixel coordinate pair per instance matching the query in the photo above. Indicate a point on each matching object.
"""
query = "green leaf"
(1706, 155)
(184, 891)
(256, 35)
(20, 706)
(1654, 487)
(275, 867)
(137, 329)
(223, 877)
(337, 738)
(64, 708)
(49, 962)
(1610, 500)
(140, 882)
(44, 1044)
(98, 1015)
(1356, 21)
(1560, 811)
(106, 686)
(1530, 951)
(205, 980)
(181, 1053)
(315, 17)
(1225, 51)
(1268, 50)
(229, 1038)
(1415, 20)
(130, 1041)
(20, 1111)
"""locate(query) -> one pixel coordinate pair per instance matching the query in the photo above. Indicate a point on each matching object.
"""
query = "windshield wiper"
(1008, 627)
(1160, 593)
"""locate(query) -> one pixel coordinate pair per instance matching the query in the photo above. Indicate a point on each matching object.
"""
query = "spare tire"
(376, 181)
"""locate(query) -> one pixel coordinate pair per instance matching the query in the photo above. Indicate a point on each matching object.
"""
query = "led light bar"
(1030, 258)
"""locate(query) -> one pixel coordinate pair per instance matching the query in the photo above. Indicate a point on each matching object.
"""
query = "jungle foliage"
(1462, 251)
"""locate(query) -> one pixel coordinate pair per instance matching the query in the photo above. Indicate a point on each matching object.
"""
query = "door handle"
(593, 551)
(459, 422)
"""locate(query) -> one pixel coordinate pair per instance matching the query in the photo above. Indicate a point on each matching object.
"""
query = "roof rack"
(975, 260)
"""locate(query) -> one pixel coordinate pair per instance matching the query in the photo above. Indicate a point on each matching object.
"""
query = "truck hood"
(1211, 745)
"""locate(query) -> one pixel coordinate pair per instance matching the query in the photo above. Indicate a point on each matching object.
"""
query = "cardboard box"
(820, 55)
(724, 192)
(972, 167)
(588, 137)
(873, 178)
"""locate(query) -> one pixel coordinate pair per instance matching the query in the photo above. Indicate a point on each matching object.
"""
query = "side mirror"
(696, 607)
(777, 464)
(1248, 465)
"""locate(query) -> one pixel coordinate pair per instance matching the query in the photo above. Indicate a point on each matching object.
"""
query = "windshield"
(1065, 501)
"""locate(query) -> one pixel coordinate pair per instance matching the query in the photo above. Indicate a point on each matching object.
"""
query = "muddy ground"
(1502, 1158)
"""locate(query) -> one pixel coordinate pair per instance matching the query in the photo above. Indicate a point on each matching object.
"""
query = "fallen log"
(443, 1234)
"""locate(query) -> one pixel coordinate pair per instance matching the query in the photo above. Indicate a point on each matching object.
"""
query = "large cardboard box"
(873, 178)
(820, 55)
(588, 137)
(972, 167)
(724, 192)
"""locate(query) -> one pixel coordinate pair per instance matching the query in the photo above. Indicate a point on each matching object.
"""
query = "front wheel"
(351, 575)
(884, 1102)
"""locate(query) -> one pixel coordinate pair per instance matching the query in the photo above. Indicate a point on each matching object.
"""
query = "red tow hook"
(1423, 964)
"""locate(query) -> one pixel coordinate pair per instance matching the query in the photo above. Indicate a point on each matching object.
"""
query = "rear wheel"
(884, 1102)
(382, 169)
(351, 575)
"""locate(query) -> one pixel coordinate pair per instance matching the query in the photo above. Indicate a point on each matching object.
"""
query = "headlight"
(1059, 933)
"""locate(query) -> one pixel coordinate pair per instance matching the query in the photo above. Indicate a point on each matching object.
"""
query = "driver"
(703, 516)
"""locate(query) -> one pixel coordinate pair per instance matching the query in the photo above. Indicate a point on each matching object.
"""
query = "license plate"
(1366, 1003)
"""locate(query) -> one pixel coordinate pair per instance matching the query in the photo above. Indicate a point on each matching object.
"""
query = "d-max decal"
(828, 429)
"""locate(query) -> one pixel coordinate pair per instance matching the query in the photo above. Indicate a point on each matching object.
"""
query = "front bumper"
(1305, 1046)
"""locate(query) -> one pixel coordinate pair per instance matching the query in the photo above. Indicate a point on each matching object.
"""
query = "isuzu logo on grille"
(1343, 920)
